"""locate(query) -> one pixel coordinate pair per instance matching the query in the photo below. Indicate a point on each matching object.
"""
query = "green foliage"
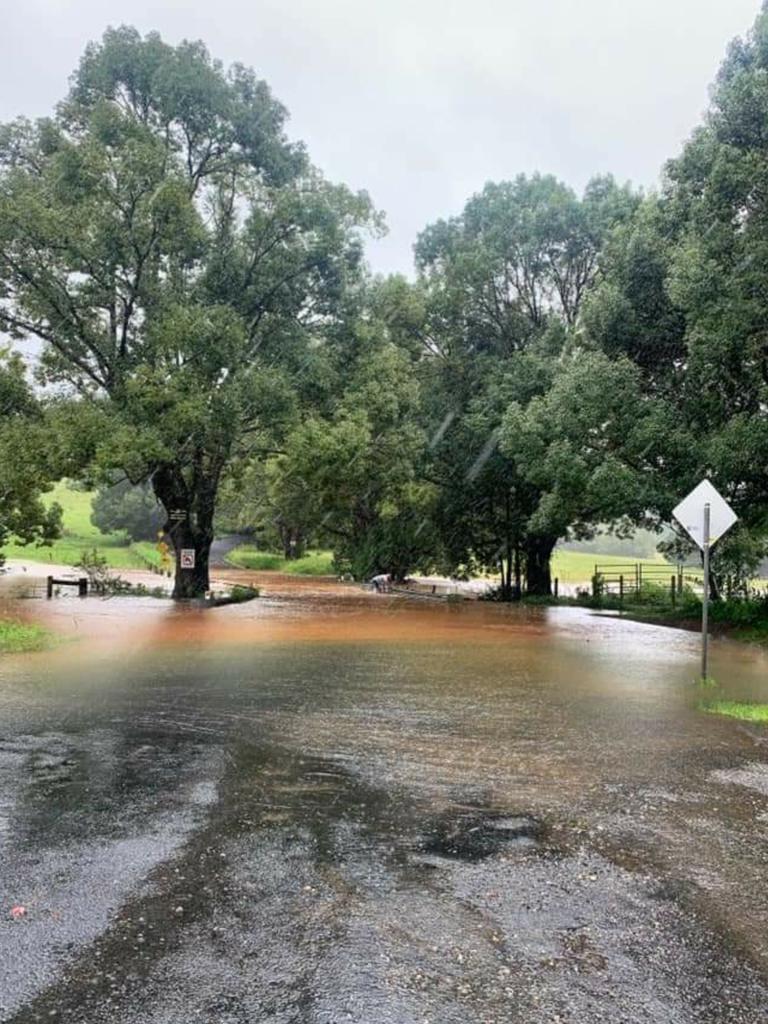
(738, 709)
(356, 470)
(100, 578)
(741, 614)
(128, 507)
(179, 259)
(505, 282)
(261, 497)
(682, 296)
(239, 595)
(25, 463)
(590, 446)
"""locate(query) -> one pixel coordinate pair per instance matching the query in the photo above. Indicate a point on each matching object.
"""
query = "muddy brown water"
(328, 806)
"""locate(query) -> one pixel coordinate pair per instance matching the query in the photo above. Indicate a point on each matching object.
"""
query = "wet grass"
(742, 710)
(314, 563)
(16, 637)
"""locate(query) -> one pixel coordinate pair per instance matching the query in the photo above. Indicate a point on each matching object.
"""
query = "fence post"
(82, 587)
(621, 591)
(672, 591)
(557, 588)
(49, 587)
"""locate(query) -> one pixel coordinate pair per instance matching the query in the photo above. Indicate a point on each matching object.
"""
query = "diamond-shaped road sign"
(690, 513)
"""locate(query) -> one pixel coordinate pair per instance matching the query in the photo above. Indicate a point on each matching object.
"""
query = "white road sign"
(690, 513)
(187, 558)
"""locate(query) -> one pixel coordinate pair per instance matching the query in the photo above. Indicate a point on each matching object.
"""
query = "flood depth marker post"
(705, 516)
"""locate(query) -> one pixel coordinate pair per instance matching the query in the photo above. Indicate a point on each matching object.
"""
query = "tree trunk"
(505, 570)
(538, 555)
(194, 581)
(189, 527)
(292, 542)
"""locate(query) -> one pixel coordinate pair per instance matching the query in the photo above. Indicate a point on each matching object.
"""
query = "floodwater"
(326, 806)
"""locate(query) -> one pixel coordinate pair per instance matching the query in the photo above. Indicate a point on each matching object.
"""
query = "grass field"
(80, 535)
(579, 566)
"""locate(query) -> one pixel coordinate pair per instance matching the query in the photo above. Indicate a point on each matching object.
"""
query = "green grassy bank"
(80, 535)
(19, 636)
(314, 563)
(745, 712)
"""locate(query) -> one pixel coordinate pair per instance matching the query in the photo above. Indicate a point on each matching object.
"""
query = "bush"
(238, 594)
(740, 613)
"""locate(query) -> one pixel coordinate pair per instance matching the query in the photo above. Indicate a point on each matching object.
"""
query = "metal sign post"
(705, 516)
(705, 596)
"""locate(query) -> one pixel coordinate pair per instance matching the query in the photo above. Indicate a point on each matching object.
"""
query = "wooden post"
(49, 587)
(82, 587)
(621, 591)
(672, 589)
(557, 588)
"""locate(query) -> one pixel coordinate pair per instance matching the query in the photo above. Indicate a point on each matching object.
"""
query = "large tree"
(180, 261)
(683, 295)
(505, 283)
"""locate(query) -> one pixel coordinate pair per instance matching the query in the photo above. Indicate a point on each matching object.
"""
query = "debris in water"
(18, 912)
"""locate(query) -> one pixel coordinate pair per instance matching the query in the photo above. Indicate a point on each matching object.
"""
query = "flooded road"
(326, 806)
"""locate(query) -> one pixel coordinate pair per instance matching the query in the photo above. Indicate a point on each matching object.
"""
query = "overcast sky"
(423, 101)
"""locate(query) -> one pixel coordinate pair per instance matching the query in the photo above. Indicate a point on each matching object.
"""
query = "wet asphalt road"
(381, 815)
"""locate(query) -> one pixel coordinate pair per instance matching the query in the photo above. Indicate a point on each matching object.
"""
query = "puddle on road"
(475, 835)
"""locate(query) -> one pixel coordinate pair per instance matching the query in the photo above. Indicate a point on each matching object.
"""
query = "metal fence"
(629, 579)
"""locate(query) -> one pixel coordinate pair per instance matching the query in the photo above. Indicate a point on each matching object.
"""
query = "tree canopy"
(562, 362)
(179, 258)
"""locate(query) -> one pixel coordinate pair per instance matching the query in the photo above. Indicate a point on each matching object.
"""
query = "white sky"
(423, 101)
